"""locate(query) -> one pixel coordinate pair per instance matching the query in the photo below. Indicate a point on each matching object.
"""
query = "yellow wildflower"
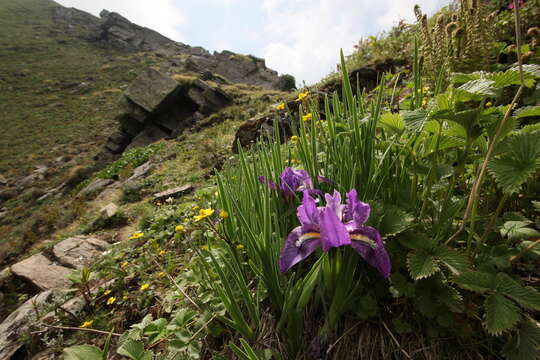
(223, 214)
(137, 235)
(195, 207)
(302, 96)
(111, 300)
(280, 106)
(424, 102)
(295, 139)
(144, 287)
(107, 292)
(426, 89)
(203, 213)
(179, 228)
(86, 324)
(125, 297)
(158, 203)
(205, 247)
(124, 264)
(307, 117)
(161, 274)
(162, 252)
(239, 246)
(489, 104)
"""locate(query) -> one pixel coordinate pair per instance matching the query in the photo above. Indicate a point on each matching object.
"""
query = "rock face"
(121, 32)
(78, 251)
(155, 106)
(14, 326)
(173, 193)
(42, 272)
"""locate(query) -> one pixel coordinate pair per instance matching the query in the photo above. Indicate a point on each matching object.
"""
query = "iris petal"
(356, 210)
(374, 253)
(294, 251)
(333, 232)
(307, 213)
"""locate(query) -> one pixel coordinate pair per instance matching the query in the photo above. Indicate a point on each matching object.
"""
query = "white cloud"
(159, 15)
(306, 35)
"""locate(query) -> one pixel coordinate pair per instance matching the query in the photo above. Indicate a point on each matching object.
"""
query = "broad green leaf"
(533, 69)
(526, 296)
(134, 350)
(82, 352)
(476, 281)
(525, 343)
(392, 122)
(415, 120)
(527, 111)
(394, 221)
(481, 87)
(518, 230)
(455, 261)
(421, 265)
(501, 314)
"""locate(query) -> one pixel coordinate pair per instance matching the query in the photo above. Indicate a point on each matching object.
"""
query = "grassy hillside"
(58, 89)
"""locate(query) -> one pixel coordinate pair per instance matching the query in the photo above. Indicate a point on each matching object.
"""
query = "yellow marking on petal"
(360, 237)
(307, 236)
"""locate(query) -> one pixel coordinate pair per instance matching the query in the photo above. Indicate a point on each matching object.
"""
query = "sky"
(298, 37)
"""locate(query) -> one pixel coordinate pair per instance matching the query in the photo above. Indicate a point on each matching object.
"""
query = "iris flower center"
(307, 236)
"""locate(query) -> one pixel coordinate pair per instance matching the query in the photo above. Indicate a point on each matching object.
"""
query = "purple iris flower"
(331, 226)
(291, 181)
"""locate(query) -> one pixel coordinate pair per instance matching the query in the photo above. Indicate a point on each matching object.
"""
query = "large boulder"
(42, 272)
(151, 89)
(78, 251)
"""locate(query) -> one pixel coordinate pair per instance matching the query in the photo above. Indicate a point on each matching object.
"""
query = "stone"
(149, 136)
(134, 111)
(95, 186)
(141, 171)
(151, 89)
(173, 193)
(208, 99)
(108, 211)
(3, 180)
(42, 272)
(8, 194)
(51, 192)
(16, 324)
(78, 251)
(29, 180)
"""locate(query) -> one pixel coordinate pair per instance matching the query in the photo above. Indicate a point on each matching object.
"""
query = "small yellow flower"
(489, 104)
(424, 102)
(144, 287)
(205, 247)
(107, 292)
(307, 117)
(125, 297)
(426, 89)
(161, 274)
(162, 252)
(137, 235)
(203, 213)
(111, 300)
(280, 106)
(295, 139)
(86, 324)
(179, 228)
(124, 264)
(223, 214)
(195, 207)
(239, 246)
(216, 194)
(302, 96)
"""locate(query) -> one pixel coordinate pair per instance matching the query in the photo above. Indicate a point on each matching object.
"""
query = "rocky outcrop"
(156, 106)
(78, 251)
(42, 272)
(235, 68)
(122, 33)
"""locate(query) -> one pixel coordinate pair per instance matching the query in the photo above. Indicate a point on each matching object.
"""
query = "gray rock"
(173, 193)
(207, 98)
(141, 171)
(150, 135)
(108, 211)
(52, 192)
(95, 186)
(122, 33)
(151, 90)
(8, 194)
(128, 107)
(42, 272)
(15, 325)
(78, 251)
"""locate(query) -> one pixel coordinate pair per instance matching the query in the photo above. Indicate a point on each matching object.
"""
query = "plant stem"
(492, 220)
(524, 251)
(76, 329)
(478, 183)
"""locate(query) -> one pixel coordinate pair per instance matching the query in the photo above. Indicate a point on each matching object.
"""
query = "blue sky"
(300, 37)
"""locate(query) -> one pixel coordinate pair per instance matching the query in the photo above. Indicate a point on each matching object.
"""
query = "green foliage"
(286, 82)
(83, 352)
(129, 160)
